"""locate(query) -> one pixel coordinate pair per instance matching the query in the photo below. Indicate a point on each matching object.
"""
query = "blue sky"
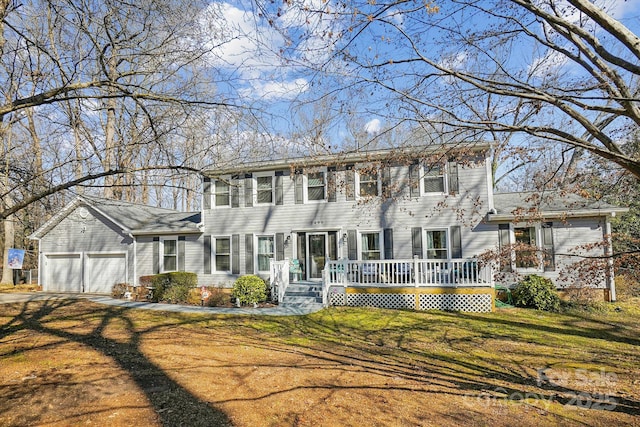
(268, 62)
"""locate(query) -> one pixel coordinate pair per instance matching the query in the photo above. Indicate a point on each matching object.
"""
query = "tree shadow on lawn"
(390, 354)
(172, 403)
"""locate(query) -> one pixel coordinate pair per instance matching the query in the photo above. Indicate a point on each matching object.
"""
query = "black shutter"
(453, 177)
(456, 241)
(235, 192)
(416, 242)
(299, 187)
(414, 180)
(279, 188)
(181, 244)
(386, 182)
(248, 190)
(352, 244)
(206, 193)
(547, 246)
(156, 255)
(207, 254)
(248, 248)
(331, 184)
(350, 183)
(388, 243)
(503, 241)
(279, 246)
(235, 254)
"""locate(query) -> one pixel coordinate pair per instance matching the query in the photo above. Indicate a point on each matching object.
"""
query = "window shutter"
(207, 254)
(248, 247)
(235, 254)
(350, 183)
(156, 255)
(352, 244)
(299, 187)
(386, 182)
(388, 243)
(248, 190)
(235, 192)
(279, 189)
(456, 242)
(547, 246)
(503, 241)
(279, 246)
(453, 177)
(331, 184)
(206, 193)
(181, 244)
(414, 180)
(416, 242)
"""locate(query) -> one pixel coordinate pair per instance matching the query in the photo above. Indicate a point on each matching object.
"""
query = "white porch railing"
(408, 272)
(279, 278)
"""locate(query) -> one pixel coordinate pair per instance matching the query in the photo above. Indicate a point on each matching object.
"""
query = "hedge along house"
(94, 243)
(390, 228)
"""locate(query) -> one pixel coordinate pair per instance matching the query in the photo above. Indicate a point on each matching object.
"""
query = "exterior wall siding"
(84, 234)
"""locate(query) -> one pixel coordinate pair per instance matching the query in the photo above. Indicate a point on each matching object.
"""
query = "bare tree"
(563, 71)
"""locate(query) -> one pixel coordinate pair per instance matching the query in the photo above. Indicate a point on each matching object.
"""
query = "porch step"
(302, 295)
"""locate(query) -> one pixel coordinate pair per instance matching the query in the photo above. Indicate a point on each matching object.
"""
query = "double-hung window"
(434, 179)
(370, 246)
(223, 254)
(525, 250)
(264, 189)
(368, 181)
(221, 192)
(315, 186)
(437, 244)
(265, 252)
(169, 255)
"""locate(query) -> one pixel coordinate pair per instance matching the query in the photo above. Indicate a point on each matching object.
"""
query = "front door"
(317, 255)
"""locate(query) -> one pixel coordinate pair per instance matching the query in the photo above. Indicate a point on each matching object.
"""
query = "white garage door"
(104, 271)
(63, 273)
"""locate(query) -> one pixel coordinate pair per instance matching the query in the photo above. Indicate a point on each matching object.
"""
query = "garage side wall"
(75, 252)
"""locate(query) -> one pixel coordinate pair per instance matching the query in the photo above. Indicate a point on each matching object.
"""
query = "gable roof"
(132, 218)
(529, 205)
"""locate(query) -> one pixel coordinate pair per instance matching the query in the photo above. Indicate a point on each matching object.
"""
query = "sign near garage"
(16, 258)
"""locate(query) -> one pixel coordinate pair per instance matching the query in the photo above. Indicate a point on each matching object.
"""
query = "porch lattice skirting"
(453, 299)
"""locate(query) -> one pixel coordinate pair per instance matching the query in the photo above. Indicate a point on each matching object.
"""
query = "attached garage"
(102, 271)
(63, 272)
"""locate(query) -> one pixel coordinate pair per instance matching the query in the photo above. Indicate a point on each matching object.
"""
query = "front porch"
(418, 284)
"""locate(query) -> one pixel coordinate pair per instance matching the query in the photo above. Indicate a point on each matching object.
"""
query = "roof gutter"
(580, 213)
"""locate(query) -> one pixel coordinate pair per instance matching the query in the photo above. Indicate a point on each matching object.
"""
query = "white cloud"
(373, 126)
(548, 64)
(272, 90)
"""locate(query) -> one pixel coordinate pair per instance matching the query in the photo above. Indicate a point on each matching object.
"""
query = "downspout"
(135, 260)
(609, 251)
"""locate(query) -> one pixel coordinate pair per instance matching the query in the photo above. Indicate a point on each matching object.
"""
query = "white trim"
(214, 195)
(254, 196)
(256, 244)
(214, 265)
(447, 238)
(379, 232)
(305, 184)
(445, 179)
(378, 173)
(162, 255)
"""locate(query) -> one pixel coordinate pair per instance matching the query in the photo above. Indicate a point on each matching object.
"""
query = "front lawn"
(75, 362)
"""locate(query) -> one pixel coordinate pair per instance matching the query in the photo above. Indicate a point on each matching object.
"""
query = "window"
(169, 255)
(368, 183)
(370, 246)
(525, 240)
(315, 186)
(434, 179)
(221, 193)
(265, 252)
(223, 254)
(265, 189)
(437, 244)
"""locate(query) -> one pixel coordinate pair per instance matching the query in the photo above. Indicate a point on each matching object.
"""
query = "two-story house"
(370, 223)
